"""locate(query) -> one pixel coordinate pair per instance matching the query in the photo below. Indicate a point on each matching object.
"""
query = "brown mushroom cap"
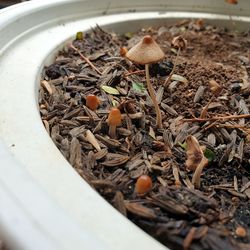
(92, 102)
(179, 42)
(114, 117)
(145, 52)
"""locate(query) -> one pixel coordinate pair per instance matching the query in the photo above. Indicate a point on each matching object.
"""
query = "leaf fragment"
(183, 145)
(110, 90)
(128, 35)
(79, 35)
(138, 86)
(209, 154)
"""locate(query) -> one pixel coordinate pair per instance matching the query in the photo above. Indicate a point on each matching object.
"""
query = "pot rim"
(26, 146)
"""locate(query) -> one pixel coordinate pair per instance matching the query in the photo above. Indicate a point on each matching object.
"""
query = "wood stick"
(86, 59)
(135, 72)
(217, 118)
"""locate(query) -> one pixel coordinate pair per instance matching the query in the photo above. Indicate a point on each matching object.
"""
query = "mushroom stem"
(153, 97)
(173, 70)
(112, 131)
(197, 174)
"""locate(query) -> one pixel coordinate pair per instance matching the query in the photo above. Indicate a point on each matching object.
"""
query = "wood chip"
(108, 142)
(247, 193)
(237, 194)
(176, 175)
(119, 203)
(75, 132)
(140, 210)
(134, 163)
(89, 136)
(47, 87)
(170, 205)
(162, 181)
(246, 186)
(199, 94)
(189, 238)
(236, 184)
(182, 134)
(101, 154)
(211, 139)
(114, 160)
(75, 153)
(169, 109)
(46, 125)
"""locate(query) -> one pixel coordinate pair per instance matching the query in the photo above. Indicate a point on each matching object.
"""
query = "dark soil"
(174, 212)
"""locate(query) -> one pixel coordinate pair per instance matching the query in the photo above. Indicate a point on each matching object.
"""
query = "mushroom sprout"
(196, 160)
(92, 102)
(114, 120)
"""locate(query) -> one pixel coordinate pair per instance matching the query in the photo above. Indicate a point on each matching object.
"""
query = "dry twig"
(86, 59)
(217, 118)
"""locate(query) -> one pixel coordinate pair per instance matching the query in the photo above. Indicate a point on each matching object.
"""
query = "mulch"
(214, 216)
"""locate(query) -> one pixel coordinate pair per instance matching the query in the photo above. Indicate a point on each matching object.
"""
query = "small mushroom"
(92, 102)
(179, 42)
(241, 232)
(232, 1)
(143, 185)
(145, 52)
(196, 160)
(114, 120)
(123, 51)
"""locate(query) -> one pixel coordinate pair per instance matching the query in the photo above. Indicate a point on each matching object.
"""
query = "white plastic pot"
(45, 204)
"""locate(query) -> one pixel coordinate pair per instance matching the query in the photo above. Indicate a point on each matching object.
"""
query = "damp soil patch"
(202, 88)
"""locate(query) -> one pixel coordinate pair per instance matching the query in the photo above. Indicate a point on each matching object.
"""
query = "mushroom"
(232, 1)
(179, 43)
(123, 51)
(92, 102)
(114, 120)
(196, 160)
(143, 185)
(145, 52)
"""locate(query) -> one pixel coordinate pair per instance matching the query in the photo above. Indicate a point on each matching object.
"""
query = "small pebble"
(163, 68)
(235, 87)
